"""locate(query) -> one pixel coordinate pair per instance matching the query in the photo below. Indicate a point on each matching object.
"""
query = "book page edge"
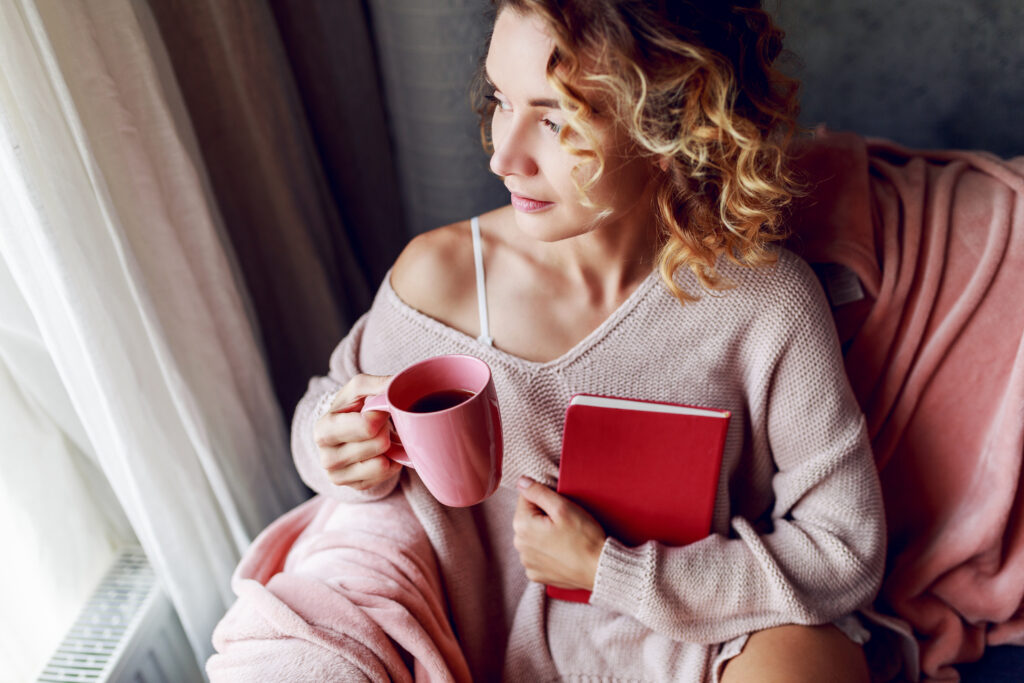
(647, 406)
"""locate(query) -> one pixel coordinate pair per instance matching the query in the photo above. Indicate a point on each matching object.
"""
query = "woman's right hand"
(352, 444)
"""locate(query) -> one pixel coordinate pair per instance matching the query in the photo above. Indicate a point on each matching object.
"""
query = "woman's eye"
(498, 102)
(555, 127)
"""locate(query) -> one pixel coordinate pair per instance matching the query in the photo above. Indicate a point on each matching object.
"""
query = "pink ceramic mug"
(445, 410)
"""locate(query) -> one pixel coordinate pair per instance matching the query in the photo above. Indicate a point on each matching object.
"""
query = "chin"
(549, 226)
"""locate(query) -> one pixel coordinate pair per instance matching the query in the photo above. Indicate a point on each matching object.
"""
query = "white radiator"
(127, 631)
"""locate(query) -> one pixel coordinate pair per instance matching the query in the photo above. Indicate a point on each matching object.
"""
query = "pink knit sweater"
(798, 531)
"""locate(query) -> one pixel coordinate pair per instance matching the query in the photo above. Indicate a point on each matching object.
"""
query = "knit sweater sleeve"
(821, 556)
(343, 365)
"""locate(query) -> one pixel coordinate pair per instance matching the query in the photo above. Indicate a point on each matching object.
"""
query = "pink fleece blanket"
(935, 356)
(335, 592)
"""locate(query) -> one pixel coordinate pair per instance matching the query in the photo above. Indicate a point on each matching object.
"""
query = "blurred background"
(924, 73)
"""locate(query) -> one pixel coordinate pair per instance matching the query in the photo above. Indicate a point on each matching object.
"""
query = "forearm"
(823, 559)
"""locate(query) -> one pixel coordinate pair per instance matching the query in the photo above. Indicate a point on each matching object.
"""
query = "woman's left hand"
(559, 543)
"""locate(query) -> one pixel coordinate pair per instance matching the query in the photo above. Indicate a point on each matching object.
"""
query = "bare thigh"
(798, 654)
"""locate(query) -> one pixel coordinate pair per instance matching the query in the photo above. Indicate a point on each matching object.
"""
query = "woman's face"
(527, 155)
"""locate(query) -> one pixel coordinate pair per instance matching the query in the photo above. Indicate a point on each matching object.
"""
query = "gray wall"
(428, 50)
(925, 73)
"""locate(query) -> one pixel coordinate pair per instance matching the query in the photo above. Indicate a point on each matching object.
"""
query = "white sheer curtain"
(112, 242)
(59, 522)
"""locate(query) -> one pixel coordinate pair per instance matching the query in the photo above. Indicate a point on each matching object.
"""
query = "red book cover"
(645, 470)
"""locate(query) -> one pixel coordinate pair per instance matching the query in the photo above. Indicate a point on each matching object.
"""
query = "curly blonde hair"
(694, 85)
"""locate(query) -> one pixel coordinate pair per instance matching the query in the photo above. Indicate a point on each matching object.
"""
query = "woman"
(643, 146)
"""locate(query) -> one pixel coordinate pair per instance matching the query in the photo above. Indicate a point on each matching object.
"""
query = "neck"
(613, 257)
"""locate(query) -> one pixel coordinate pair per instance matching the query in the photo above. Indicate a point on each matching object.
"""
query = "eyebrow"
(545, 103)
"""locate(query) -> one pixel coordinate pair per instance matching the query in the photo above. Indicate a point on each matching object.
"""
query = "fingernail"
(524, 482)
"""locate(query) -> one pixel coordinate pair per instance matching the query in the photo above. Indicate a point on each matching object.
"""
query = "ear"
(663, 163)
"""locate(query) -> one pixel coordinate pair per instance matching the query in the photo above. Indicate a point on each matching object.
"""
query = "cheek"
(627, 181)
(566, 172)
(562, 175)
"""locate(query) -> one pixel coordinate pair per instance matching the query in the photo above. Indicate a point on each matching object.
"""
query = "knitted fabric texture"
(797, 533)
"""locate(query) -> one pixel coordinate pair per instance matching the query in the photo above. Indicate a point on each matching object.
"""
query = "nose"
(513, 147)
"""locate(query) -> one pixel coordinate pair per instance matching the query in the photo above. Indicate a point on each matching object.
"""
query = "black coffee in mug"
(440, 400)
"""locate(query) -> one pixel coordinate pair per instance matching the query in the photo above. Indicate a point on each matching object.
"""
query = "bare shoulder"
(435, 274)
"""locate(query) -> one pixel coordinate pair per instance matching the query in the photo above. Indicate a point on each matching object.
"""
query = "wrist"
(593, 562)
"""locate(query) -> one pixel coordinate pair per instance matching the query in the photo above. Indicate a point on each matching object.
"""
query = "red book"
(645, 470)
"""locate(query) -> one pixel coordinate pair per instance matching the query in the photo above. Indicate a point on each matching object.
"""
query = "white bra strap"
(481, 292)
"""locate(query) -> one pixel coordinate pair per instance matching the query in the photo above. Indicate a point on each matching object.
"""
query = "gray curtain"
(284, 101)
(331, 53)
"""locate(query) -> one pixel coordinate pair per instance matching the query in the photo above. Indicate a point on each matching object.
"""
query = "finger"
(352, 452)
(334, 429)
(524, 514)
(550, 503)
(365, 474)
(359, 387)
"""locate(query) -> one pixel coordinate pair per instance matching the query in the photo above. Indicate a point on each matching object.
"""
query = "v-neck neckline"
(590, 340)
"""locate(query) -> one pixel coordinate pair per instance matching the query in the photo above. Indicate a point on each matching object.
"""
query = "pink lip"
(527, 205)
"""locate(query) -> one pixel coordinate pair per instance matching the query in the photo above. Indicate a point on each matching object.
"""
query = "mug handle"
(396, 452)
